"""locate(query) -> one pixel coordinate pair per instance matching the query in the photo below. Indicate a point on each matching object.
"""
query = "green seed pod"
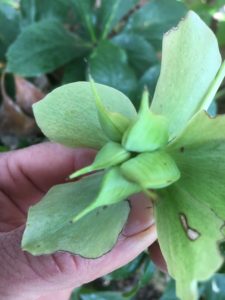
(151, 170)
(110, 155)
(148, 133)
(114, 188)
(113, 124)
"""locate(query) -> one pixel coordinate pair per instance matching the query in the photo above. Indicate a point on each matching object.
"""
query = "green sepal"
(149, 132)
(50, 227)
(113, 124)
(110, 155)
(153, 170)
(114, 188)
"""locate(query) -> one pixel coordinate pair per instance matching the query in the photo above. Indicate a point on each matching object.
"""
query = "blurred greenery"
(118, 42)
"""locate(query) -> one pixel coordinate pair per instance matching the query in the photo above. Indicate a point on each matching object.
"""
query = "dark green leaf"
(111, 12)
(109, 65)
(50, 227)
(170, 291)
(74, 71)
(126, 271)
(155, 18)
(4, 148)
(9, 28)
(149, 79)
(84, 10)
(36, 10)
(148, 273)
(221, 33)
(42, 47)
(214, 289)
(140, 52)
(102, 296)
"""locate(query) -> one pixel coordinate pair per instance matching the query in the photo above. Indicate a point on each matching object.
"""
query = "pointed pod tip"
(82, 213)
(80, 172)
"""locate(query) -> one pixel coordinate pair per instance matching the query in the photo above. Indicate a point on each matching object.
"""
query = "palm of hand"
(25, 176)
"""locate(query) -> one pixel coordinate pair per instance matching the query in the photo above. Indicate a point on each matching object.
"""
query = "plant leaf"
(84, 10)
(50, 46)
(140, 57)
(9, 24)
(151, 170)
(186, 73)
(109, 65)
(103, 295)
(111, 12)
(35, 10)
(68, 115)
(155, 18)
(49, 227)
(74, 71)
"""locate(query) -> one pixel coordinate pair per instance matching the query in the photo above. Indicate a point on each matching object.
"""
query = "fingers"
(49, 163)
(157, 257)
(141, 215)
(25, 175)
(63, 270)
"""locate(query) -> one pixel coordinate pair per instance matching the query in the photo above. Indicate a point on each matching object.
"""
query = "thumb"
(28, 277)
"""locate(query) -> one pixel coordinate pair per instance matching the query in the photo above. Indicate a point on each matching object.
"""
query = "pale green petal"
(200, 156)
(68, 115)
(151, 170)
(50, 227)
(198, 199)
(188, 233)
(190, 62)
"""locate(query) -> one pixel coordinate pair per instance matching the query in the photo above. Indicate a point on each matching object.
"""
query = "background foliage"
(44, 44)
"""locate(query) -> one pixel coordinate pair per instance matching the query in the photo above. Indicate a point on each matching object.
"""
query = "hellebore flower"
(173, 151)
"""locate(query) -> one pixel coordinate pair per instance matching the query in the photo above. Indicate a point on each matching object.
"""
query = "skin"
(25, 176)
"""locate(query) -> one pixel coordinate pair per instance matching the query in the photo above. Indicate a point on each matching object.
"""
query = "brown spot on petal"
(191, 233)
(182, 149)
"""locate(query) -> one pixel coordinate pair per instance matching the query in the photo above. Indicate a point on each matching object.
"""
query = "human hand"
(25, 176)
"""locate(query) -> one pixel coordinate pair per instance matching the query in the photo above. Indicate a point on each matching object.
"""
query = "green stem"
(90, 30)
(213, 87)
(112, 15)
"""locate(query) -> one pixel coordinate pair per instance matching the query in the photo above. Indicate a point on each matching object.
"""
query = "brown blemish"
(182, 149)
(191, 233)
